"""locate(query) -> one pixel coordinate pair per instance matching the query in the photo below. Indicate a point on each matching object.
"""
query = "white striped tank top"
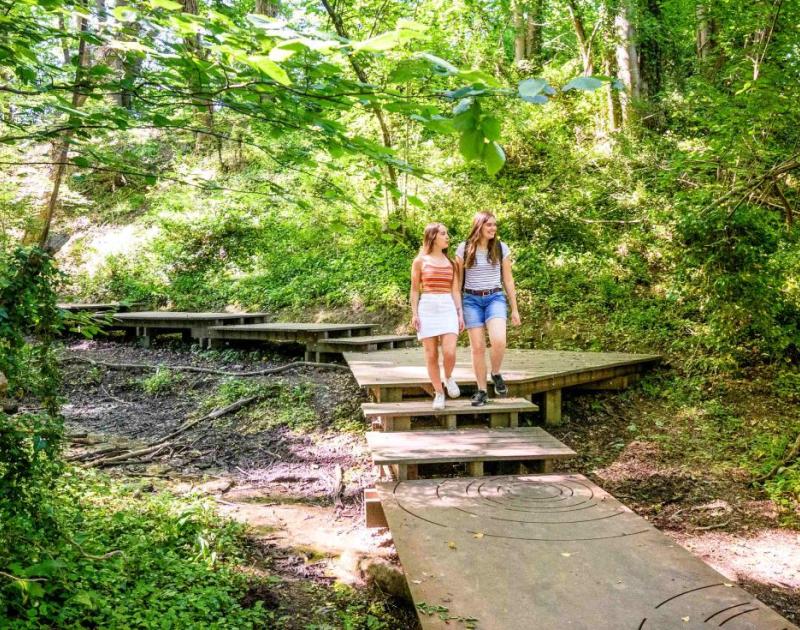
(483, 275)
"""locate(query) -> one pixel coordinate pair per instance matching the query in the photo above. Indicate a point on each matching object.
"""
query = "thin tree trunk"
(267, 7)
(386, 133)
(519, 31)
(627, 63)
(584, 43)
(41, 231)
(533, 34)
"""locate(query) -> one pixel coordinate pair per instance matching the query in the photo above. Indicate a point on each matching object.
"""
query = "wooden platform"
(552, 551)
(364, 343)
(97, 307)
(318, 339)
(404, 451)
(148, 324)
(502, 412)
(396, 374)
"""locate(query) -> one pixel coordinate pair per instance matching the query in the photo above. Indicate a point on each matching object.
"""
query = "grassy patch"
(161, 381)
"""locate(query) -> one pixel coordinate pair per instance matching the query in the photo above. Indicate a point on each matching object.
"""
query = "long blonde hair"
(475, 235)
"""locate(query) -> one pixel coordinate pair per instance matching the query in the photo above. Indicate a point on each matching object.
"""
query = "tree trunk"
(519, 31)
(386, 133)
(651, 60)
(584, 43)
(612, 95)
(39, 233)
(267, 7)
(533, 35)
(627, 63)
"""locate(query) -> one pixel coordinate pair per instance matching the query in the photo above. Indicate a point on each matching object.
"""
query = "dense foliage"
(642, 158)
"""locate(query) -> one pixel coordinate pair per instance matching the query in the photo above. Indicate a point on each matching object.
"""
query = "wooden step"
(405, 451)
(397, 416)
(365, 343)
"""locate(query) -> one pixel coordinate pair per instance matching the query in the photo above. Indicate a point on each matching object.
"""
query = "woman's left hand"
(461, 324)
(515, 319)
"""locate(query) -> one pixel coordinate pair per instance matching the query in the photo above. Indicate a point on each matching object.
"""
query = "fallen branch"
(167, 440)
(793, 453)
(192, 368)
(715, 526)
(91, 556)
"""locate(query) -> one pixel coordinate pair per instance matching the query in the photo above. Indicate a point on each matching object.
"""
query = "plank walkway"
(320, 340)
(397, 374)
(97, 307)
(552, 552)
(193, 325)
(502, 412)
(474, 447)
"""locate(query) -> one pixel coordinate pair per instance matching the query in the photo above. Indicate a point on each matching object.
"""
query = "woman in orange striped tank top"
(436, 309)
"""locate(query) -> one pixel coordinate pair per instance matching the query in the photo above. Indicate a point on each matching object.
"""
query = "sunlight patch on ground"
(771, 556)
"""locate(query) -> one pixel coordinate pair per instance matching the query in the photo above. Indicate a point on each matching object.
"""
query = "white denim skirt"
(437, 315)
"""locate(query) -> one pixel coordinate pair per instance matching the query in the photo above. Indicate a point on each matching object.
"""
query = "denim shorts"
(480, 309)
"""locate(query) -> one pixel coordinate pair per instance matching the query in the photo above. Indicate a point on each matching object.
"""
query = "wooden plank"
(458, 406)
(553, 551)
(471, 445)
(293, 327)
(552, 407)
(539, 369)
(143, 317)
(373, 510)
(369, 339)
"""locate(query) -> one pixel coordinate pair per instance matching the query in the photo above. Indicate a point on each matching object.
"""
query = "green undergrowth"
(118, 555)
(280, 404)
(724, 427)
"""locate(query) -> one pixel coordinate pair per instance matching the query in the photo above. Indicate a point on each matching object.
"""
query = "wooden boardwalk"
(405, 451)
(552, 552)
(147, 324)
(397, 374)
(503, 412)
(320, 340)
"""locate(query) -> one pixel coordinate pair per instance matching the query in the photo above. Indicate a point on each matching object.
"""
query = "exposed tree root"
(192, 368)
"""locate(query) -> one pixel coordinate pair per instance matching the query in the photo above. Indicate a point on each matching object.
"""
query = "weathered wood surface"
(553, 551)
(290, 332)
(541, 370)
(472, 445)
(96, 307)
(459, 406)
(146, 318)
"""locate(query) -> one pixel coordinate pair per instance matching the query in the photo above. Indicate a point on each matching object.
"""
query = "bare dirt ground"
(299, 487)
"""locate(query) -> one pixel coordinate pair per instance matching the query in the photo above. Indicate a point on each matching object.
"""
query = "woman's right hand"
(415, 322)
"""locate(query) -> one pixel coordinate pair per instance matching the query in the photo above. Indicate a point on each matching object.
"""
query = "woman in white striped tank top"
(483, 265)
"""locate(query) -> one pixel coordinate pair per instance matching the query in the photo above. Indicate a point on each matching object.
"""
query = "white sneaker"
(452, 388)
(438, 401)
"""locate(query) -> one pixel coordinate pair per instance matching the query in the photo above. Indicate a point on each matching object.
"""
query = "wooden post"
(475, 469)
(373, 510)
(451, 421)
(513, 419)
(547, 465)
(499, 420)
(552, 407)
(402, 423)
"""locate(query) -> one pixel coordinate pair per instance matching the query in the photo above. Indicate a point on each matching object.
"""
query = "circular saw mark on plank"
(520, 508)
(713, 605)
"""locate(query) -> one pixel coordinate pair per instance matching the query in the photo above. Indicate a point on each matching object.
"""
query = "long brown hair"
(429, 237)
(471, 247)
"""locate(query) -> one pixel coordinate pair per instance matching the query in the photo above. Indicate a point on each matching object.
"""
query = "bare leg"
(431, 347)
(477, 344)
(497, 338)
(449, 352)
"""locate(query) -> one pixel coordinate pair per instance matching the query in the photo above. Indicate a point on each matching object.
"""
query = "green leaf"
(281, 54)
(491, 127)
(464, 105)
(80, 161)
(439, 63)
(530, 88)
(471, 144)
(384, 41)
(494, 158)
(407, 70)
(415, 201)
(270, 68)
(479, 76)
(124, 14)
(169, 5)
(588, 84)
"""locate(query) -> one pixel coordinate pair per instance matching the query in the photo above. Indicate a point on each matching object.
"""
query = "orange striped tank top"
(437, 278)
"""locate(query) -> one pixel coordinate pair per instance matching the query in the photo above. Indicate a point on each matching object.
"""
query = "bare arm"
(511, 290)
(416, 285)
(456, 291)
